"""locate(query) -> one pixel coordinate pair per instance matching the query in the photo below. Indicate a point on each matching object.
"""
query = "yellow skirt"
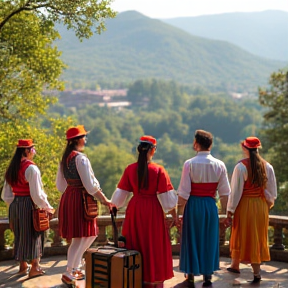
(249, 233)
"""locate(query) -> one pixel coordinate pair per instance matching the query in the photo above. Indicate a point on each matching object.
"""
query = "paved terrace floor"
(274, 275)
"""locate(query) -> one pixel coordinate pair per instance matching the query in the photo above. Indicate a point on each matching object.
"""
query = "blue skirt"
(200, 237)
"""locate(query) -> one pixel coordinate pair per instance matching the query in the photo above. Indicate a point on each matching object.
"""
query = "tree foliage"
(80, 15)
(275, 130)
(30, 70)
(108, 163)
(50, 143)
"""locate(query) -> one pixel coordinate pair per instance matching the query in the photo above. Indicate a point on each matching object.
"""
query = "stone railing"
(58, 246)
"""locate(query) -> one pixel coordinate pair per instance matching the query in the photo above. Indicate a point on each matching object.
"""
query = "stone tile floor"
(274, 275)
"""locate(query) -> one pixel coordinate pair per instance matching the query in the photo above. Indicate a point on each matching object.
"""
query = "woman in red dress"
(74, 174)
(144, 226)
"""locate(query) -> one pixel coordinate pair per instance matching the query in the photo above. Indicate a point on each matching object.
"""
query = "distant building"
(81, 97)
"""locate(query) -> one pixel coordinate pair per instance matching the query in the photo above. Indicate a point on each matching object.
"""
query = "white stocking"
(76, 250)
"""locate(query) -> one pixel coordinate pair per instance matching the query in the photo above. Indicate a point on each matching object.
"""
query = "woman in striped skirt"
(22, 189)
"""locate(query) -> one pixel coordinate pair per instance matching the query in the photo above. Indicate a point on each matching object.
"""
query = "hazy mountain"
(261, 33)
(137, 47)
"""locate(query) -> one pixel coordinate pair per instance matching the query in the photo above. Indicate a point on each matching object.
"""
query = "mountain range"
(261, 33)
(137, 47)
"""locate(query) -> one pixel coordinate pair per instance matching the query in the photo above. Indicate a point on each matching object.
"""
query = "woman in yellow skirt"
(253, 191)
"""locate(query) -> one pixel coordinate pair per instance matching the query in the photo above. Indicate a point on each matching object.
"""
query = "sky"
(182, 8)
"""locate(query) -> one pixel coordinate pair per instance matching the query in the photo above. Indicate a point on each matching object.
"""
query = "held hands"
(50, 211)
(111, 206)
(175, 222)
(227, 222)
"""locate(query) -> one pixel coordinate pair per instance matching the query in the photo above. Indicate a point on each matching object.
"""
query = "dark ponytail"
(71, 146)
(11, 175)
(142, 171)
(259, 176)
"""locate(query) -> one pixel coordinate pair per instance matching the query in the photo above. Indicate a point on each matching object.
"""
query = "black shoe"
(207, 283)
(256, 280)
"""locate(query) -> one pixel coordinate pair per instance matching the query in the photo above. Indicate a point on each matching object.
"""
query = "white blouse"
(84, 168)
(39, 197)
(240, 175)
(203, 168)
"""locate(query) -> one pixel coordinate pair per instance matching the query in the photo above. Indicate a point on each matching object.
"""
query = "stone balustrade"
(58, 246)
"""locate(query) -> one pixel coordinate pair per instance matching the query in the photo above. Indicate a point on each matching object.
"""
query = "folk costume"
(248, 203)
(21, 197)
(72, 177)
(71, 180)
(202, 176)
(144, 227)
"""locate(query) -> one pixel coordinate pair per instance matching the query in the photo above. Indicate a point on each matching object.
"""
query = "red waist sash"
(21, 193)
(75, 183)
(204, 189)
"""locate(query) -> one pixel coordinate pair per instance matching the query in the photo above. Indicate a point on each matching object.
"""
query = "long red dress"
(144, 226)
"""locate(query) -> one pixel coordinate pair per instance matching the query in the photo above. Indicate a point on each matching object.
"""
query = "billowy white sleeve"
(237, 183)
(119, 197)
(7, 194)
(184, 188)
(39, 197)
(223, 184)
(271, 188)
(87, 176)
(61, 183)
(168, 200)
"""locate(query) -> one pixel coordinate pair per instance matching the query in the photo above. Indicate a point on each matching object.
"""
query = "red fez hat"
(25, 143)
(76, 131)
(148, 139)
(251, 143)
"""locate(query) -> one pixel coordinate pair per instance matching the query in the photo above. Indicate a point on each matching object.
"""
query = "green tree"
(108, 163)
(49, 142)
(81, 15)
(30, 69)
(275, 131)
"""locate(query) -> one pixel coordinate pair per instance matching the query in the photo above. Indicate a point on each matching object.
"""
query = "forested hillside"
(137, 47)
(261, 33)
(172, 116)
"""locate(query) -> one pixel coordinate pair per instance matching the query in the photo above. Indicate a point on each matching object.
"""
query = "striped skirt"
(27, 241)
(200, 237)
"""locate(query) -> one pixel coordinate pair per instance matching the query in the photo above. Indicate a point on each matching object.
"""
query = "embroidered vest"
(70, 169)
(21, 188)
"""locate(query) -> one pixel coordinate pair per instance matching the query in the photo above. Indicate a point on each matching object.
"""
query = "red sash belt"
(75, 183)
(21, 193)
(204, 189)
(253, 192)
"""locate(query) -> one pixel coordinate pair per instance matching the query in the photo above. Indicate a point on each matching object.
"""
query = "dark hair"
(71, 146)
(11, 175)
(258, 171)
(142, 171)
(203, 138)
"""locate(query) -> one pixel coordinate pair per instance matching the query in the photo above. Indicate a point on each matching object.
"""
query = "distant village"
(116, 98)
(82, 97)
